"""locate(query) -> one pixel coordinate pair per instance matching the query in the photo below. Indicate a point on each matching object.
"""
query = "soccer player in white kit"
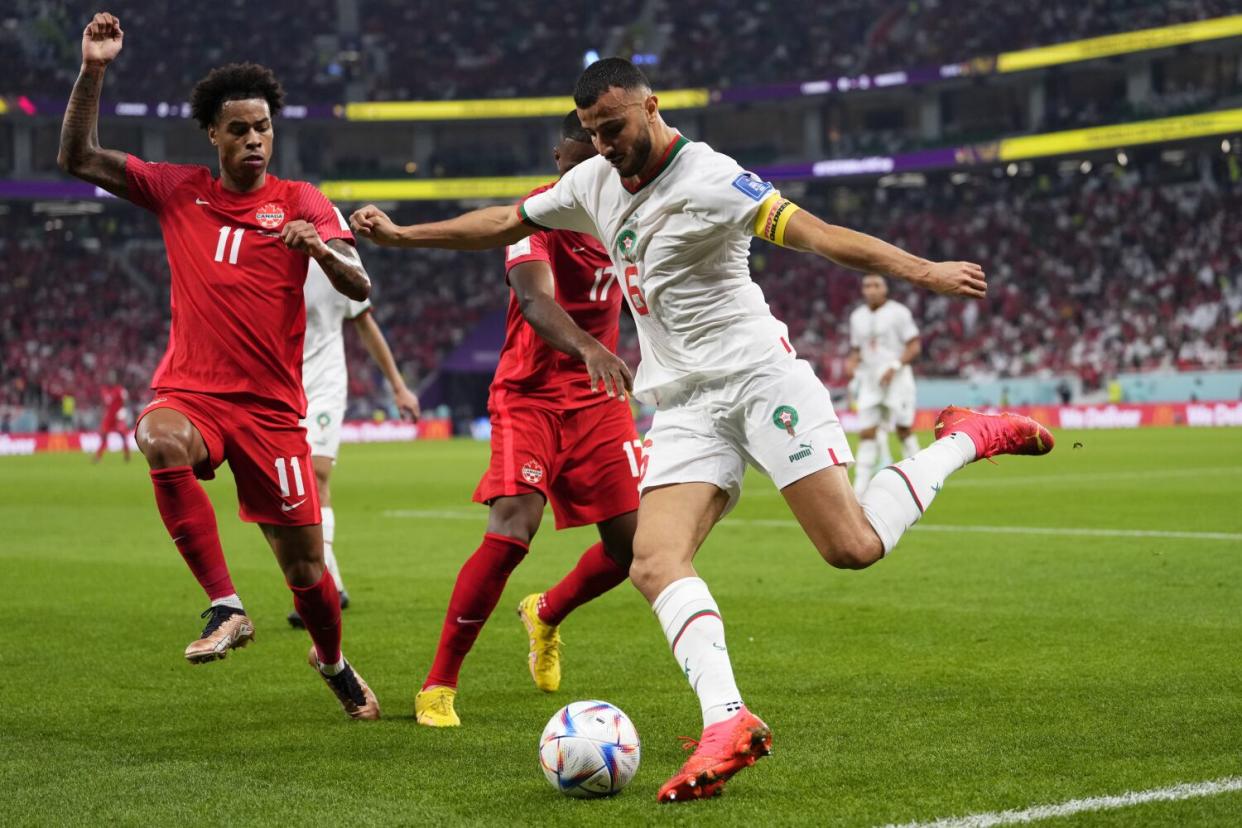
(677, 218)
(883, 342)
(325, 378)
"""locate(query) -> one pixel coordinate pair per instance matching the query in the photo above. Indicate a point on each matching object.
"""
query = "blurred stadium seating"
(1090, 274)
(420, 49)
(1113, 259)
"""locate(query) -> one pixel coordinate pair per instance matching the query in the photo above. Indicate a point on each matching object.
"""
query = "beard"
(638, 156)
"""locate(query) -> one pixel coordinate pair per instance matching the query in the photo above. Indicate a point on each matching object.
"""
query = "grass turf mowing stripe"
(1089, 532)
(1188, 790)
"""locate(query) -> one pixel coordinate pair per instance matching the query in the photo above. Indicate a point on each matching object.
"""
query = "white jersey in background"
(880, 336)
(679, 243)
(716, 363)
(324, 373)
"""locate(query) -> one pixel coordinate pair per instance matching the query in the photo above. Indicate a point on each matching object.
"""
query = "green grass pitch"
(972, 671)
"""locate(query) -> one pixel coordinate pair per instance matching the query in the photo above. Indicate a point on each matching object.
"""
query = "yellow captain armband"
(773, 217)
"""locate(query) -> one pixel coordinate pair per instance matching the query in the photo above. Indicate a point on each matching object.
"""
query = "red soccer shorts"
(266, 449)
(113, 424)
(585, 462)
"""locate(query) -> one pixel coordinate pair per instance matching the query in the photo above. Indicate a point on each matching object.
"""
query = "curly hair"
(234, 82)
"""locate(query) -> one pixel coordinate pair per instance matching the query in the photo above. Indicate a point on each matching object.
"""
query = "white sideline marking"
(1063, 481)
(1188, 790)
(782, 523)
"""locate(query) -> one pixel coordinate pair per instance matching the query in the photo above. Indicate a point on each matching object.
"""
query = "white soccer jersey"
(880, 336)
(679, 241)
(324, 375)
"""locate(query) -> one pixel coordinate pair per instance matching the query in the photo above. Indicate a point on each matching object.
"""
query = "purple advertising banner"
(882, 164)
(854, 83)
(479, 354)
(50, 190)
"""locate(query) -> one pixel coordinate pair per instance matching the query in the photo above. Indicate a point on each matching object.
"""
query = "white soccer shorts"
(324, 417)
(779, 419)
(889, 407)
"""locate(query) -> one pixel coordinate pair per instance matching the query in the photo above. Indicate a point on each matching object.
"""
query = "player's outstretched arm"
(535, 289)
(80, 154)
(476, 230)
(381, 354)
(867, 254)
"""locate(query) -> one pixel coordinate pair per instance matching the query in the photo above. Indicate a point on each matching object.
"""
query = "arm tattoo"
(80, 153)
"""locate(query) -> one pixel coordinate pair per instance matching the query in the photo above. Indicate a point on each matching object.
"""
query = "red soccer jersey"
(113, 398)
(238, 312)
(586, 288)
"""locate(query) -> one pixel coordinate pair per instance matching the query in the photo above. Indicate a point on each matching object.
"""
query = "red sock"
(482, 578)
(595, 574)
(320, 608)
(191, 522)
(103, 446)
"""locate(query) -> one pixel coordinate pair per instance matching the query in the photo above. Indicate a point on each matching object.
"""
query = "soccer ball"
(589, 749)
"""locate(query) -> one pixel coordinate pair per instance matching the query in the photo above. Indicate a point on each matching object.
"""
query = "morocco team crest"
(786, 417)
(532, 472)
(270, 216)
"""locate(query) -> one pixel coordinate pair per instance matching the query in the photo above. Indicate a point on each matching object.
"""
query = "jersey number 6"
(637, 301)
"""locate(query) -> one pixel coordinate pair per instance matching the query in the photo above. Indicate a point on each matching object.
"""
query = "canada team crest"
(270, 216)
(532, 472)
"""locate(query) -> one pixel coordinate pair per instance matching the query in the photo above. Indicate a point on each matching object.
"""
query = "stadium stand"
(1122, 269)
(495, 49)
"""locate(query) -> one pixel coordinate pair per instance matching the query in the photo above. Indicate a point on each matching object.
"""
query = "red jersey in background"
(586, 287)
(238, 312)
(114, 398)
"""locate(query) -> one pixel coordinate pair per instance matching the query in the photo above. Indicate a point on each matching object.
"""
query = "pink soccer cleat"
(995, 434)
(726, 748)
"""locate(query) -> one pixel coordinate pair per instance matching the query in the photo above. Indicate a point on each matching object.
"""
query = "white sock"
(692, 625)
(228, 601)
(864, 465)
(331, 669)
(899, 494)
(910, 446)
(885, 457)
(329, 556)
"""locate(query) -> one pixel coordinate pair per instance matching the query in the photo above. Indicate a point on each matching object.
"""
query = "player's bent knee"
(303, 574)
(516, 517)
(647, 576)
(164, 449)
(856, 553)
(867, 434)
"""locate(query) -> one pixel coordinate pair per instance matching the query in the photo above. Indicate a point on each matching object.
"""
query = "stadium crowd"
(1089, 274)
(421, 49)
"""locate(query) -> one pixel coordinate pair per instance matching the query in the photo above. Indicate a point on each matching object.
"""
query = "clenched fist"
(304, 238)
(372, 223)
(101, 40)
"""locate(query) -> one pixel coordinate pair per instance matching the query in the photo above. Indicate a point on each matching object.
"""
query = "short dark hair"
(604, 74)
(234, 82)
(572, 129)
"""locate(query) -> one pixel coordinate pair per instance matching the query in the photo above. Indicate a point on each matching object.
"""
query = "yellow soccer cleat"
(433, 707)
(545, 646)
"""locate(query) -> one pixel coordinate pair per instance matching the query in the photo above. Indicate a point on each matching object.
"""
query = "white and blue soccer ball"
(589, 749)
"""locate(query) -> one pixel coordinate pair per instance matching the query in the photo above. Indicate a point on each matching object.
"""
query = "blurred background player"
(555, 438)
(678, 218)
(229, 386)
(325, 378)
(883, 342)
(115, 417)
